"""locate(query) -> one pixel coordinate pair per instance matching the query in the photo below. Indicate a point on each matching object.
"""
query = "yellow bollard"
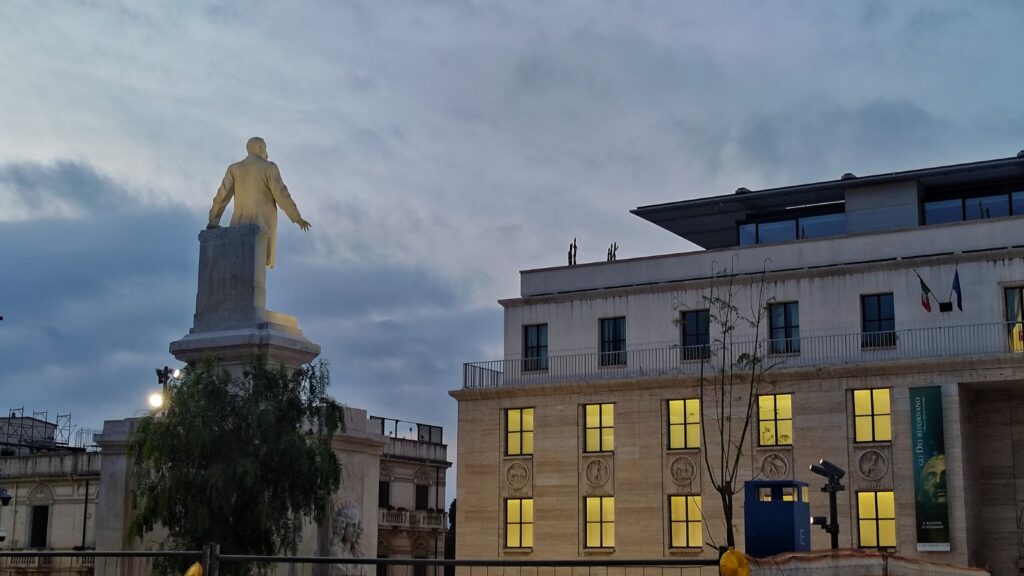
(733, 563)
(195, 570)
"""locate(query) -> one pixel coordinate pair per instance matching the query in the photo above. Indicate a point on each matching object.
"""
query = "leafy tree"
(731, 374)
(241, 462)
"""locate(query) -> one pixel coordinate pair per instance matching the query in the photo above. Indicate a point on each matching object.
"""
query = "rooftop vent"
(745, 190)
(849, 176)
(1020, 154)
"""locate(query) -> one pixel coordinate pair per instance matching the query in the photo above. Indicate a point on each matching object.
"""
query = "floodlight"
(156, 400)
(832, 469)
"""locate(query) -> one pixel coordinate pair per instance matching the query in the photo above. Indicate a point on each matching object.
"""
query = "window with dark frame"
(775, 419)
(422, 497)
(973, 206)
(384, 494)
(613, 341)
(599, 427)
(1015, 318)
(535, 347)
(684, 424)
(784, 328)
(685, 522)
(600, 522)
(518, 431)
(876, 519)
(872, 415)
(878, 321)
(519, 523)
(695, 329)
(40, 528)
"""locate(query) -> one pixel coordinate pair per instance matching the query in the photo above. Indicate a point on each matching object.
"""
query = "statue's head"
(256, 146)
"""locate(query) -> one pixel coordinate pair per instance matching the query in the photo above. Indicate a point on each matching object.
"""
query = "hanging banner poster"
(929, 469)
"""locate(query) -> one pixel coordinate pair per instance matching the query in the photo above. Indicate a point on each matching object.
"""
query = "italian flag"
(926, 292)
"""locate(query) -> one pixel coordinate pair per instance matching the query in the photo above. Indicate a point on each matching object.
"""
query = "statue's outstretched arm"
(221, 199)
(284, 199)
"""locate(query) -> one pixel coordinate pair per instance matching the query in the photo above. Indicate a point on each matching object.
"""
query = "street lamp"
(833, 474)
(157, 400)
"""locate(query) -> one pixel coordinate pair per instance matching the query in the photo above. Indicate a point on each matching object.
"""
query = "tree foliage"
(237, 461)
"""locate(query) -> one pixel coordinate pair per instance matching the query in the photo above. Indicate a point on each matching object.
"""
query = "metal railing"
(807, 351)
(144, 563)
(92, 563)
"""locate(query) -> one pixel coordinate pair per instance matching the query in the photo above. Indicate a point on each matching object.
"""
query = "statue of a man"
(256, 185)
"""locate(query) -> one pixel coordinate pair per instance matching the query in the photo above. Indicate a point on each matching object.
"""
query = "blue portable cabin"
(777, 517)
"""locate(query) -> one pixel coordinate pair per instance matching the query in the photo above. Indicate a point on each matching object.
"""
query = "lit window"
(519, 523)
(685, 522)
(535, 347)
(775, 418)
(876, 514)
(695, 328)
(600, 522)
(599, 428)
(784, 328)
(684, 423)
(613, 341)
(519, 431)
(872, 415)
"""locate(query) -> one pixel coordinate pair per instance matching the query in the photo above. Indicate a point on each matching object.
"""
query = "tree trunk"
(730, 536)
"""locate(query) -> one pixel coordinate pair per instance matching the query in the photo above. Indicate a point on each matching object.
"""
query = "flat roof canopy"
(711, 222)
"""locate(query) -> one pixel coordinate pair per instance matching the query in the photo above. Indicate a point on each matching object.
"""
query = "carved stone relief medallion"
(872, 465)
(775, 466)
(517, 475)
(683, 469)
(598, 472)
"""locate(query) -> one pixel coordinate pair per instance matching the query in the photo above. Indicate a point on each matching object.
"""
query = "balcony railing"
(412, 519)
(830, 350)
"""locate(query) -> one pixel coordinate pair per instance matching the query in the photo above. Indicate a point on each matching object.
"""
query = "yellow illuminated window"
(876, 515)
(872, 415)
(685, 522)
(684, 423)
(600, 522)
(775, 418)
(599, 427)
(519, 523)
(519, 431)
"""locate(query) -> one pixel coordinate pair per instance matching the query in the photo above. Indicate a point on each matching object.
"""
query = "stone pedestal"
(231, 320)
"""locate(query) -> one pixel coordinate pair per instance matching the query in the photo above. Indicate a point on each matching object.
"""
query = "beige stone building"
(893, 326)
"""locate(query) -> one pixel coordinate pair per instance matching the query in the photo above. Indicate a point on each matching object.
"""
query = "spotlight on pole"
(833, 474)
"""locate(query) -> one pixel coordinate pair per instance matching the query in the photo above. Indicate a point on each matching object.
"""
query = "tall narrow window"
(599, 427)
(613, 341)
(685, 522)
(784, 326)
(40, 527)
(696, 334)
(877, 321)
(600, 531)
(684, 423)
(876, 515)
(775, 419)
(519, 431)
(535, 347)
(384, 494)
(519, 523)
(422, 497)
(1015, 319)
(872, 415)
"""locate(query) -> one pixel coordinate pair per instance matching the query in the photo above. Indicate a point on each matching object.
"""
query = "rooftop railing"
(798, 352)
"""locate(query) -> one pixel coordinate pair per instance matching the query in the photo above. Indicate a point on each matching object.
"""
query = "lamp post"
(833, 474)
(157, 400)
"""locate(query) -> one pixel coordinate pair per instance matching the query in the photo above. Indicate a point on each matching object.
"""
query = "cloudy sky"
(437, 148)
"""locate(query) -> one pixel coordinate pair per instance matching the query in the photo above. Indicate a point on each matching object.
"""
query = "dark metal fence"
(91, 563)
(796, 352)
(139, 563)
